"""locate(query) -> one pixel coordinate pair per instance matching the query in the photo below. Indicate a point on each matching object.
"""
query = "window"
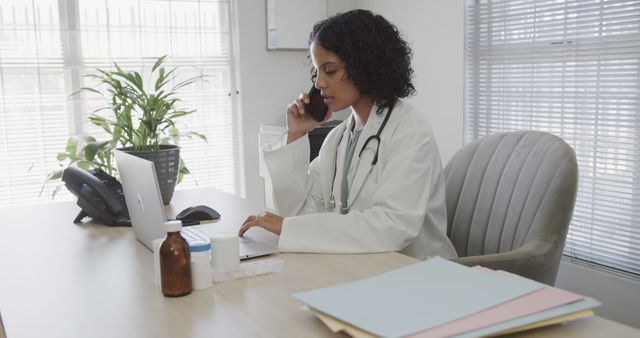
(46, 46)
(571, 68)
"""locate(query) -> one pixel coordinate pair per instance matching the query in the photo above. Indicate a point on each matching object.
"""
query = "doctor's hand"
(267, 220)
(299, 123)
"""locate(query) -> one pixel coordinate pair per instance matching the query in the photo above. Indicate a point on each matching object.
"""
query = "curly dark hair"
(377, 58)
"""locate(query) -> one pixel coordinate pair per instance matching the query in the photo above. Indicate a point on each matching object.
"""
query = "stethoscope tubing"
(374, 161)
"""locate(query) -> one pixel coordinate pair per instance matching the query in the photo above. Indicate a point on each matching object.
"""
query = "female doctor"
(377, 182)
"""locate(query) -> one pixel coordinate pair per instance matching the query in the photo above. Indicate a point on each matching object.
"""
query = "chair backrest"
(509, 189)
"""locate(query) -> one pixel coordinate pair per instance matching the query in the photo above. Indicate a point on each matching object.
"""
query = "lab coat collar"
(372, 125)
(370, 128)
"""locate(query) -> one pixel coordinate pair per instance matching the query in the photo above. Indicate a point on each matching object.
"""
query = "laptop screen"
(143, 197)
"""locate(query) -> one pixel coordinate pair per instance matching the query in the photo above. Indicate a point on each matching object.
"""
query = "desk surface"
(66, 280)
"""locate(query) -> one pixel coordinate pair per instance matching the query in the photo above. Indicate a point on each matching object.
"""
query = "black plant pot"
(167, 163)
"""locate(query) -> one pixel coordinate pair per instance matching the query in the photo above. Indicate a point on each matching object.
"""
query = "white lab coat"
(401, 206)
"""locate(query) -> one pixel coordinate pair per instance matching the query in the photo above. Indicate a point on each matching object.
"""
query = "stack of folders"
(439, 298)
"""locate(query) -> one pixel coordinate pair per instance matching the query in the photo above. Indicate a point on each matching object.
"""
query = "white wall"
(268, 82)
(435, 28)
(620, 295)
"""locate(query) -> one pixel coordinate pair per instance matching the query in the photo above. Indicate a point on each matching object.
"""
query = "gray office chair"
(510, 198)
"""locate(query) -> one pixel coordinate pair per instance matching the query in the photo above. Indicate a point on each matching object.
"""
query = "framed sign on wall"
(289, 22)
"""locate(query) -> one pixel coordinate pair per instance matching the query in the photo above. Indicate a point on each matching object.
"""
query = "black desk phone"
(100, 196)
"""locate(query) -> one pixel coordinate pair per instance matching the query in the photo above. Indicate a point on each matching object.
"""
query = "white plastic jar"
(226, 252)
(201, 265)
(200, 248)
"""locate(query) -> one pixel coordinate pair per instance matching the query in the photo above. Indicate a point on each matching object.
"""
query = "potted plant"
(140, 120)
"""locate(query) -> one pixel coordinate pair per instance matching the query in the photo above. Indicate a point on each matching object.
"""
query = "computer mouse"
(198, 212)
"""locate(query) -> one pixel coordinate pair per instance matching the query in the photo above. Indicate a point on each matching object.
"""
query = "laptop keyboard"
(194, 236)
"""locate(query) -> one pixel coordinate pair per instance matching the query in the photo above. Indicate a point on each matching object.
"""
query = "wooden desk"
(66, 280)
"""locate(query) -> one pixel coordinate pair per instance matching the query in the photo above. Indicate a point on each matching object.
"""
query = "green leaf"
(170, 72)
(162, 84)
(94, 76)
(165, 79)
(55, 175)
(119, 70)
(86, 89)
(56, 190)
(92, 148)
(183, 171)
(158, 63)
(117, 133)
(159, 80)
(89, 89)
(83, 164)
(174, 132)
(138, 81)
(62, 156)
(72, 145)
(198, 135)
(180, 113)
(186, 83)
(99, 120)
(52, 176)
(87, 138)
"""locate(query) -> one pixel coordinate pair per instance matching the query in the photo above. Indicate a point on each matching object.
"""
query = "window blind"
(46, 46)
(570, 68)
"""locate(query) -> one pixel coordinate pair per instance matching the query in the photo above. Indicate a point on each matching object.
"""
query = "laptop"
(146, 211)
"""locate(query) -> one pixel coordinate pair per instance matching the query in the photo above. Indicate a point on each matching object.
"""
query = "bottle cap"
(199, 247)
(172, 226)
(224, 237)
(198, 243)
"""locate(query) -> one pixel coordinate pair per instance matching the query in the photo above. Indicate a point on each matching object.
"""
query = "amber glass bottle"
(175, 262)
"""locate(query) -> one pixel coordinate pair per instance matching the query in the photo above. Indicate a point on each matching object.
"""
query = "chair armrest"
(536, 260)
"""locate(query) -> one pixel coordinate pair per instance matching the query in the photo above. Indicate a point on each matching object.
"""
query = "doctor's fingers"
(299, 104)
(294, 110)
(303, 98)
(250, 218)
(254, 223)
(270, 222)
(246, 226)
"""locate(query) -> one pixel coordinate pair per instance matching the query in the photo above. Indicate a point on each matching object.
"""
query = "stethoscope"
(344, 209)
